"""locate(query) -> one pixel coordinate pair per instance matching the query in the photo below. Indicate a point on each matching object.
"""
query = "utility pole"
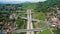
(29, 21)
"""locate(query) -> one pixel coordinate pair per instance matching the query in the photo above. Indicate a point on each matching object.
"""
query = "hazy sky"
(21, 0)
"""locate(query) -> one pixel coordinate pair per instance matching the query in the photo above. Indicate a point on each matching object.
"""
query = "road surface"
(30, 30)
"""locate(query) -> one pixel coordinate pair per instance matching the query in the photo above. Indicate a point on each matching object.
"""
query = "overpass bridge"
(30, 30)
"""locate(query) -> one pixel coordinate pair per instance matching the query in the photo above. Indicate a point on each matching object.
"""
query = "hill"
(42, 6)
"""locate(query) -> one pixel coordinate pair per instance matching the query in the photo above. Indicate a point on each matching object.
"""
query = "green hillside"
(42, 6)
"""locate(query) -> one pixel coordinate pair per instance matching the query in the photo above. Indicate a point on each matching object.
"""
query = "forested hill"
(38, 7)
(42, 6)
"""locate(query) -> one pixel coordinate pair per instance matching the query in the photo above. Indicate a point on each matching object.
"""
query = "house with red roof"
(56, 21)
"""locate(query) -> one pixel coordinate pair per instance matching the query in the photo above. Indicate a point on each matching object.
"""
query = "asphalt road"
(30, 30)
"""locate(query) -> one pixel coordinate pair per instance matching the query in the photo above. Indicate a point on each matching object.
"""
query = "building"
(13, 16)
(56, 22)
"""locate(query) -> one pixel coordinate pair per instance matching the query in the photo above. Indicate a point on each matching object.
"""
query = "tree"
(4, 16)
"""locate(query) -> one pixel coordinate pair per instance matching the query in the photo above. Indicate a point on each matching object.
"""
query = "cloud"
(32, 0)
(21, 0)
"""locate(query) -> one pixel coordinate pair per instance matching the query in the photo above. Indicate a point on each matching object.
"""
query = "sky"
(21, 0)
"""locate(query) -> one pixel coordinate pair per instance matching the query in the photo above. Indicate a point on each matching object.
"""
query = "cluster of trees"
(38, 7)
(6, 10)
(43, 6)
(4, 16)
(10, 7)
(56, 31)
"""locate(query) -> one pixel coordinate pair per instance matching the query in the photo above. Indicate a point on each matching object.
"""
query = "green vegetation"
(42, 6)
(40, 9)
(56, 31)
(39, 15)
(4, 16)
(21, 24)
(46, 32)
(39, 24)
(31, 5)
(14, 33)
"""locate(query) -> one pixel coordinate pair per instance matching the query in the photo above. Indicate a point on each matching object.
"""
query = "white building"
(13, 16)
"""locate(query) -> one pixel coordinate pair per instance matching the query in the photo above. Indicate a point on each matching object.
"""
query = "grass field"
(14, 33)
(45, 32)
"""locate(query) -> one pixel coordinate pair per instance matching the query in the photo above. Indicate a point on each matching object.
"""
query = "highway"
(33, 29)
(26, 30)
(30, 30)
(29, 22)
(38, 29)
